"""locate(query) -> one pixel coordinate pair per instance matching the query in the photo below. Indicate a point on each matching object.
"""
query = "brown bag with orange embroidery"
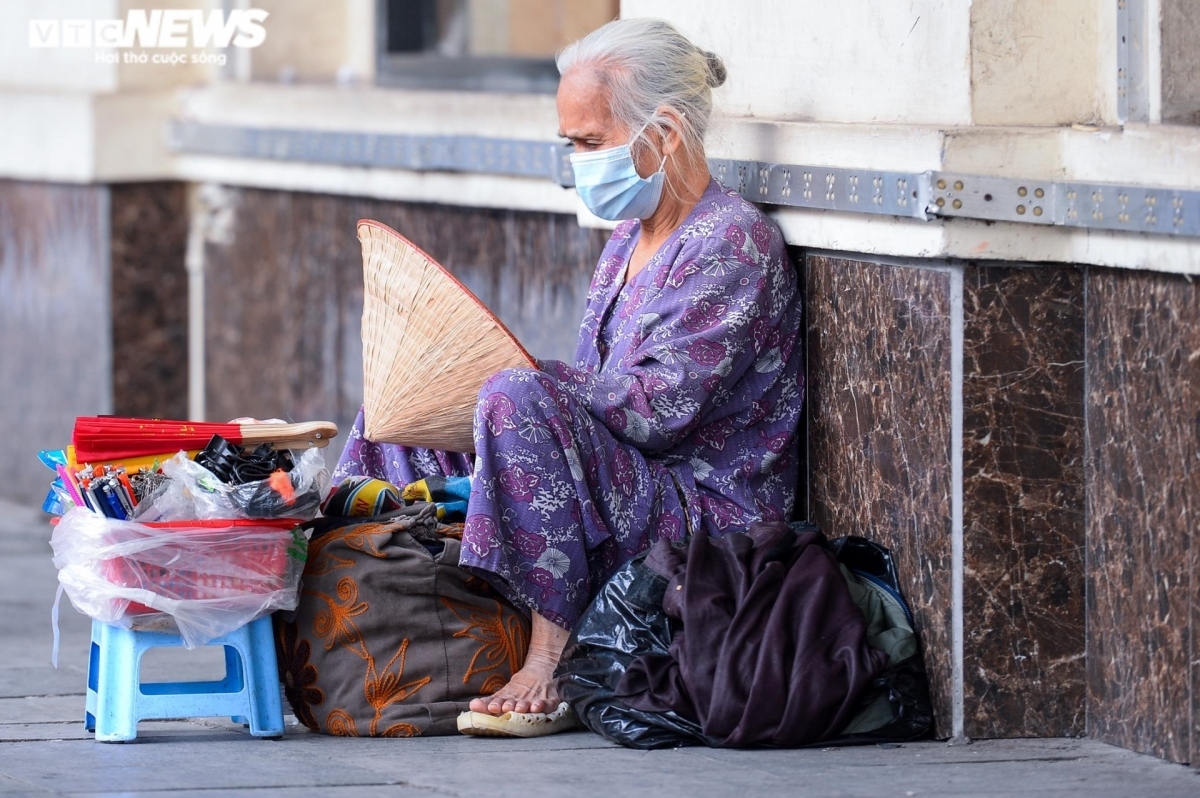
(391, 638)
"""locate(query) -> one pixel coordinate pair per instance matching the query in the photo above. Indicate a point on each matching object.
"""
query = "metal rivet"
(1020, 210)
(958, 185)
(1039, 193)
(941, 184)
(957, 204)
(1037, 211)
(941, 202)
(1022, 191)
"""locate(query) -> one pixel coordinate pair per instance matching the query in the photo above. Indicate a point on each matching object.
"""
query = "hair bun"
(716, 68)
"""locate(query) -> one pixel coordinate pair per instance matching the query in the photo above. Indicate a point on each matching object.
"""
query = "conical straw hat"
(428, 346)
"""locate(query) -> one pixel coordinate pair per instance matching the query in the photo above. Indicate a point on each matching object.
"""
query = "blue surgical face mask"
(610, 186)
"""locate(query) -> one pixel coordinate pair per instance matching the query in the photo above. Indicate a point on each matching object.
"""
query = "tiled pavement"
(44, 749)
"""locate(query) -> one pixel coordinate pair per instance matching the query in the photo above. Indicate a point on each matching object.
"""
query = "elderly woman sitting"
(679, 414)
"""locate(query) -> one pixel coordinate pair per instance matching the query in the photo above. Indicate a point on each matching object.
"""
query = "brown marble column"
(879, 432)
(1143, 489)
(1022, 398)
(150, 299)
(55, 344)
(93, 302)
(883, 386)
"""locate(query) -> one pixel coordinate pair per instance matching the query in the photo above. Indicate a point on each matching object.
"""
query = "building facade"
(995, 207)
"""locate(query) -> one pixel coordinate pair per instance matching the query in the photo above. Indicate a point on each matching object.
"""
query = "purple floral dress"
(679, 414)
(399, 465)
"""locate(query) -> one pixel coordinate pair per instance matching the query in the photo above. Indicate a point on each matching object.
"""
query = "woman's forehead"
(583, 106)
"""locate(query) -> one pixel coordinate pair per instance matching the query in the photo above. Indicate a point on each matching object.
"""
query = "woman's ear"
(672, 140)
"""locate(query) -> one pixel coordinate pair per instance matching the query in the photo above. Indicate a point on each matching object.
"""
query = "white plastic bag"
(211, 577)
(193, 492)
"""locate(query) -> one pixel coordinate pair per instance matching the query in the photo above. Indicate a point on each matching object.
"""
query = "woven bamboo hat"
(428, 346)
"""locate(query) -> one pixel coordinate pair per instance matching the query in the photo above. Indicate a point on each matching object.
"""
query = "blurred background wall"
(1014, 408)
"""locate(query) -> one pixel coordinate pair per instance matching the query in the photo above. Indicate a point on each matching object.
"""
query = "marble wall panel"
(1143, 485)
(149, 299)
(879, 430)
(55, 346)
(1194, 655)
(284, 291)
(1023, 570)
(801, 509)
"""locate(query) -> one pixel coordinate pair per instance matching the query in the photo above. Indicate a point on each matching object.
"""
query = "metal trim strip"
(478, 154)
(1095, 206)
(914, 195)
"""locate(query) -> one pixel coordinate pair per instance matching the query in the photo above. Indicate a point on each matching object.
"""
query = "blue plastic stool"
(117, 699)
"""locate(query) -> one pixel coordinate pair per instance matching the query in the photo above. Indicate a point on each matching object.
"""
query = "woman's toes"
(524, 694)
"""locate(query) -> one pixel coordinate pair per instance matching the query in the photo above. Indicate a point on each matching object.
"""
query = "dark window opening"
(481, 45)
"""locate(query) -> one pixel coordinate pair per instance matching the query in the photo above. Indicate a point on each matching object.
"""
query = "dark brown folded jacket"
(391, 638)
(770, 648)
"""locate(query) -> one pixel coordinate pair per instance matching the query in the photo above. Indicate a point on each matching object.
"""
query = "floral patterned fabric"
(390, 637)
(399, 465)
(678, 416)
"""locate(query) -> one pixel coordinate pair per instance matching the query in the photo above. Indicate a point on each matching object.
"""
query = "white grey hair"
(646, 64)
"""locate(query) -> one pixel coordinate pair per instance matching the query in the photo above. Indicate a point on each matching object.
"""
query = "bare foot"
(532, 688)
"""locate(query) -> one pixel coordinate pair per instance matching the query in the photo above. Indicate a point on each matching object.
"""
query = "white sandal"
(518, 724)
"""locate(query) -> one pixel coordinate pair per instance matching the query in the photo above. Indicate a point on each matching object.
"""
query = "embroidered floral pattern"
(387, 687)
(381, 594)
(335, 623)
(299, 675)
(502, 638)
(360, 537)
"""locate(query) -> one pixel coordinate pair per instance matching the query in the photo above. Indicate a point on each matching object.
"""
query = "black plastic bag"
(626, 621)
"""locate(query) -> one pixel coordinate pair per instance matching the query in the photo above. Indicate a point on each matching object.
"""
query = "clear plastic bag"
(193, 492)
(210, 576)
